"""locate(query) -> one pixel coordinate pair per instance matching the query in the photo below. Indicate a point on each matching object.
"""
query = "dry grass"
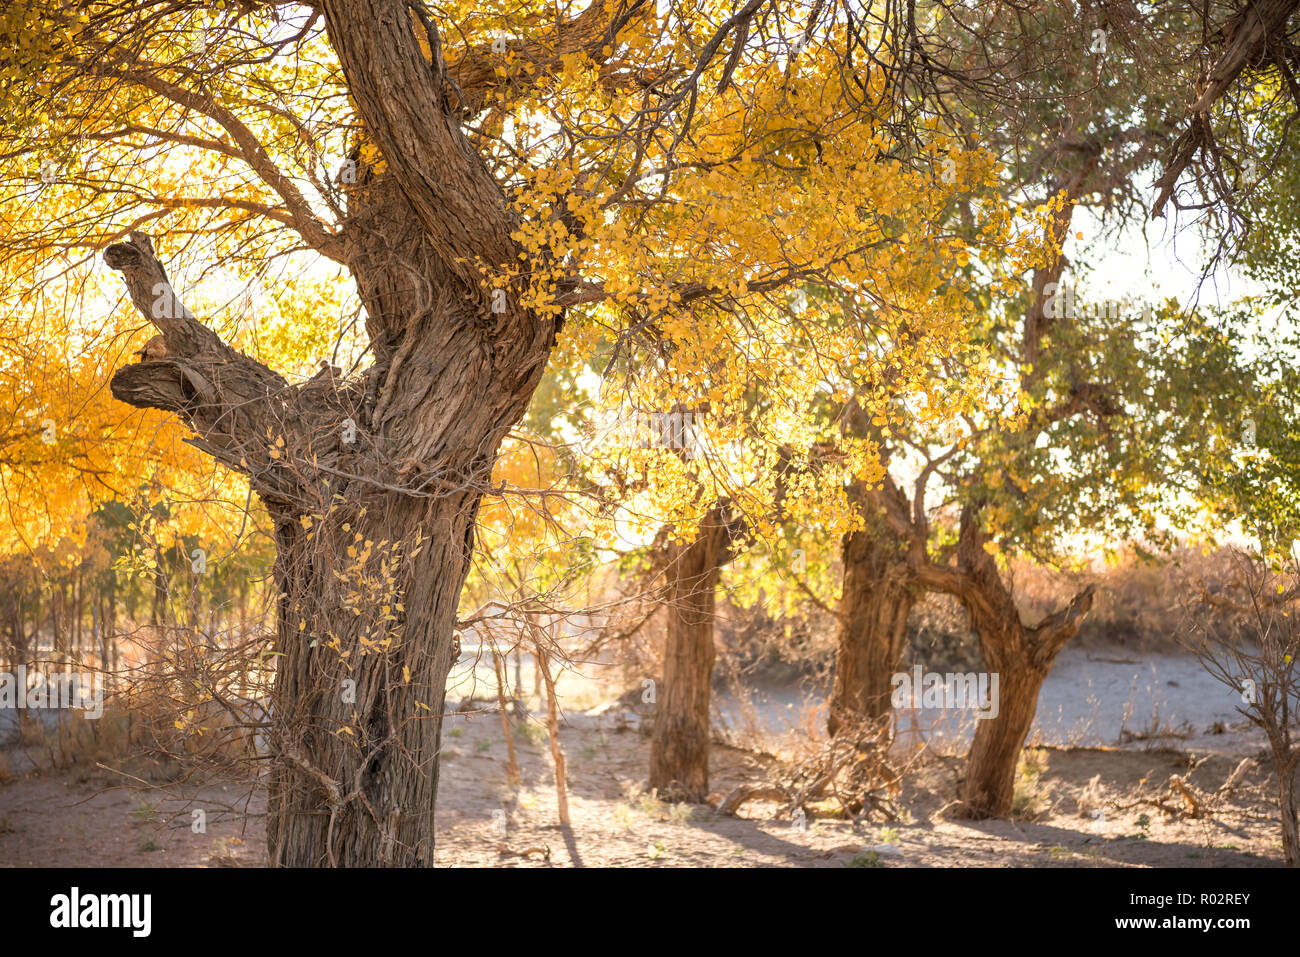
(1139, 604)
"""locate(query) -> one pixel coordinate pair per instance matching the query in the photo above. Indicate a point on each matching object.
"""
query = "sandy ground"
(1094, 696)
(81, 818)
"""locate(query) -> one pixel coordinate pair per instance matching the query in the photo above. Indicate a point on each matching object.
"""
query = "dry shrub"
(850, 776)
(853, 771)
(629, 636)
(198, 698)
(774, 645)
(84, 742)
(181, 699)
(74, 741)
(1139, 603)
(1247, 636)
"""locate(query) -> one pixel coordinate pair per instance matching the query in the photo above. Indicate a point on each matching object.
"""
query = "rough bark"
(679, 744)
(374, 482)
(553, 733)
(512, 760)
(875, 601)
(989, 789)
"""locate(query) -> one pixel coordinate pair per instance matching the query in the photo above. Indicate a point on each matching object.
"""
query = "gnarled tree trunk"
(989, 790)
(679, 745)
(373, 482)
(360, 686)
(1019, 655)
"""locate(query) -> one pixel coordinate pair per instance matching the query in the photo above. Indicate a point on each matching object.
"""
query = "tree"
(731, 432)
(1261, 669)
(878, 592)
(480, 176)
(990, 483)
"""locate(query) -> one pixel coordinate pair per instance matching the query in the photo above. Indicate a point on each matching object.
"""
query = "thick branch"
(1051, 634)
(233, 402)
(1250, 34)
(475, 72)
(251, 151)
(152, 293)
(1088, 397)
(458, 203)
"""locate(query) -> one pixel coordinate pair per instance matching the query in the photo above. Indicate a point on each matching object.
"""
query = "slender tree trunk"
(101, 646)
(1286, 761)
(78, 609)
(17, 638)
(1288, 801)
(34, 645)
(875, 602)
(110, 628)
(1290, 820)
(553, 732)
(512, 760)
(10, 659)
(58, 601)
(679, 745)
(27, 644)
(158, 608)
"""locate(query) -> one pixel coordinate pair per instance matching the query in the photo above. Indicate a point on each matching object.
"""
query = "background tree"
(1102, 92)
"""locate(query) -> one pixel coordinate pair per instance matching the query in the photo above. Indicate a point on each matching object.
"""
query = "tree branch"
(251, 151)
(231, 401)
(456, 199)
(1251, 33)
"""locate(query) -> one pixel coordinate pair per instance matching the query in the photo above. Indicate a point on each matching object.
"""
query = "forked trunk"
(1019, 655)
(373, 480)
(374, 485)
